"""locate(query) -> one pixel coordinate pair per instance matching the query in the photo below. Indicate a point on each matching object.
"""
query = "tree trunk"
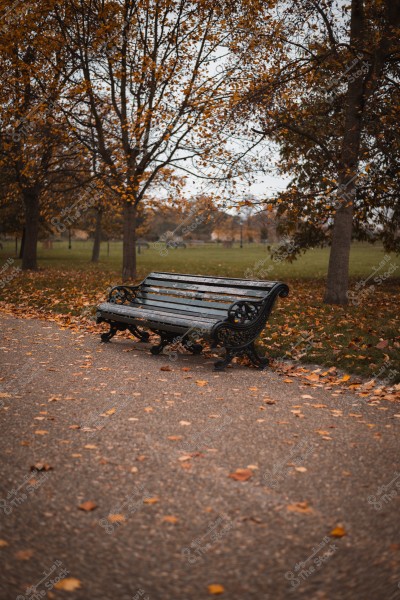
(21, 249)
(129, 243)
(97, 237)
(29, 253)
(338, 270)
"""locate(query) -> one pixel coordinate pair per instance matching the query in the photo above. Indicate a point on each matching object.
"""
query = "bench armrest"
(123, 294)
(244, 311)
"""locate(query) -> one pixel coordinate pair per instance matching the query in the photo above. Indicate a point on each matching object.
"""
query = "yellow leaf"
(108, 413)
(345, 378)
(41, 432)
(201, 382)
(69, 584)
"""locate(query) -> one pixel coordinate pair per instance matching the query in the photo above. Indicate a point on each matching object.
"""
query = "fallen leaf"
(41, 467)
(151, 500)
(313, 377)
(69, 584)
(166, 368)
(201, 382)
(215, 588)
(41, 432)
(117, 518)
(184, 423)
(300, 507)
(300, 469)
(24, 554)
(338, 532)
(3, 543)
(109, 412)
(90, 447)
(185, 457)
(382, 344)
(175, 438)
(241, 474)
(170, 519)
(88, 506)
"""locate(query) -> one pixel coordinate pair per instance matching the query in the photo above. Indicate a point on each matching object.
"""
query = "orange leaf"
(69, 584)
(170, 519)
(215, 588)
(87, 506)
(300, 507)
(241, 474)
(151, 500)
(338, 532)
(117, 518)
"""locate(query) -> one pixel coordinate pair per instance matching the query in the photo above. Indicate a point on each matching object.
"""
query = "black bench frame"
(237, 332)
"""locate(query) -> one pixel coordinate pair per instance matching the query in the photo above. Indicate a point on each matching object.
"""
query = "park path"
(145, 446)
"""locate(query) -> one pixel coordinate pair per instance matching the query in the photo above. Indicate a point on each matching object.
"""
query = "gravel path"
(149, 450)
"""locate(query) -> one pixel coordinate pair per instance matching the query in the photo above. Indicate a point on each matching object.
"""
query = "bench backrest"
(199, 294)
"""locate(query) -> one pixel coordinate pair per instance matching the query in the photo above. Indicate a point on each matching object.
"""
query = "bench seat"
(229, 312)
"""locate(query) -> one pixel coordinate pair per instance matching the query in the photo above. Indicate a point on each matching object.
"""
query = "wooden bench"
(226, 312)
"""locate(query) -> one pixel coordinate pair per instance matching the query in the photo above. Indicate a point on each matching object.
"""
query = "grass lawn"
(362, 338)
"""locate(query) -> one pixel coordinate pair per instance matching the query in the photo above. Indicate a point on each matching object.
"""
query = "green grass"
(67, 288)
(209, 259)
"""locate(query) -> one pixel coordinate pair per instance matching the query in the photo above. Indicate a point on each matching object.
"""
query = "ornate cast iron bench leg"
(192, 346)
(259, 361)
(142, 335)
(221, 364)
(164, 341)
(106, 337)
(139, 333)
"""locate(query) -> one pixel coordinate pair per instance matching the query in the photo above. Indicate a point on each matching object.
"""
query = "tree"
(146, 94)
(325, 77)
(34, 145)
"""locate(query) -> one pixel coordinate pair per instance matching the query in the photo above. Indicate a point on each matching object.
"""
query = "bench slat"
(206, 279)
(191, 287)
(216, 305)
(156, 316)
(217, 299)
(181, 308)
